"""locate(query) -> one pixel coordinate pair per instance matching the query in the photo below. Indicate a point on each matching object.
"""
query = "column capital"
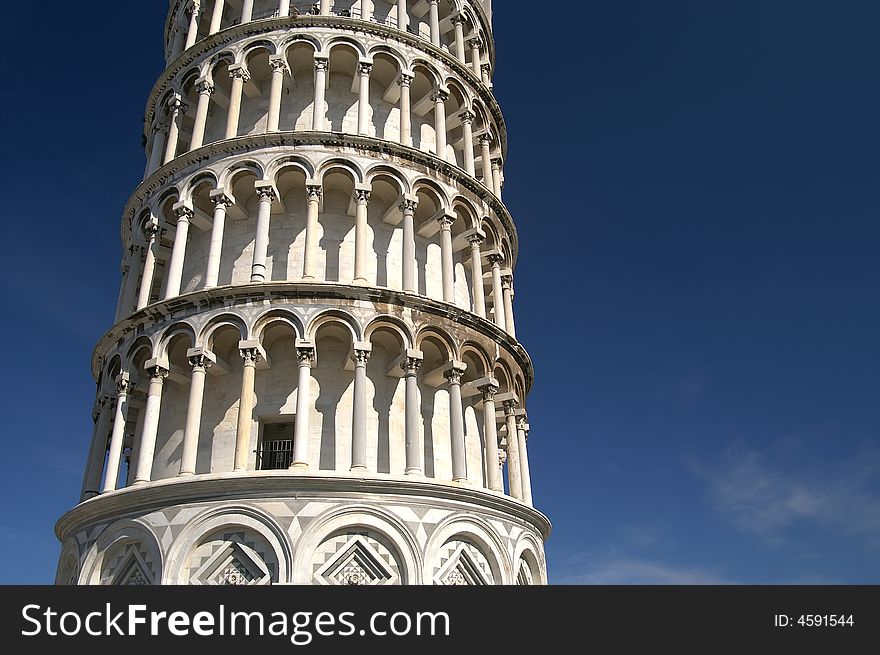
(496, 163)
(279, 63)
(486, 68)
(362, 193)
(502, 456)
(184, 211)
(265, 189)
(475, 237)
(488, 387)
(251, 351)
(411, 365)
(365, 67)
(176, 105)
(405, 78)
(486, 137)
(495, 257)
(314, 190)
(158, 127)
(151, 230)
(509, 401)
(200, 358)
(157, 369)
(408, 203)
(192, 7)
(475, 42)
(446, 221)
(306, 355)
(507, 281)
(220, 196)
(360, 352)
(123, 383)
(322, 62)
(467, 116)
(440, 95)
(458, 19)
(454, 372)
(204, 86)
(238, 71)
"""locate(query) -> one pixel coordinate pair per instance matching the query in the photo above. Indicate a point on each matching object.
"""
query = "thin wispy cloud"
(588, 569)
(767, 499)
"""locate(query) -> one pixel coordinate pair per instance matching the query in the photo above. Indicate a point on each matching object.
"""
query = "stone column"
(111, 475)
(193, 11)
(364, 70)
(362, 194)
(222, 202)
(250, 355)
(477, 274)
(408, 208)
(522, 430)
(305, 353)
(360, 355)
(129, 280)
(402, 15)
(411, 364)
(496, 177)
(490, 432)
(185, 214)
(405, 81)
(279, 68)
(435, 21)
(176, 110)
(476, 60)
(177, 40)
(151, 230)
(495, 259)
(322, 64)
(157, 373)
(467, 127)
(458, 23)
(91, 485)
(284, 8)
(324, 8)
(205, 88)
(486, 159)
(514, 467)
(247, 11)
(310, 246)
(216, 16)
(200, 359)
(456, 422)
(240, 76)
(158, 150)
(440, 97)
(507, 292)
(486, 74)
(267, 195)
(448, 267)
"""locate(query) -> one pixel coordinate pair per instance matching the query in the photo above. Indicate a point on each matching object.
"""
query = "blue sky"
(696, 188)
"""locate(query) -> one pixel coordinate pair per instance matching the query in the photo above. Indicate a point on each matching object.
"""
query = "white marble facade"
(314, 375)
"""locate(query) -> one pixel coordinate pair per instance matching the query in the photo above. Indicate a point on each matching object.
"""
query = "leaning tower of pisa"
(313, 375)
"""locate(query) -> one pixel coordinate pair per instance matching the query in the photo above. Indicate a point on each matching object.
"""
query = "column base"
(300, 466)
(360, 282)
(358, 469)
(414, 473)
(185, 474)
(308, 278)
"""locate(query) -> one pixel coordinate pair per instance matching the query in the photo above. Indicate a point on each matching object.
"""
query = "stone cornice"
(282, 484)
(232, 34)
(197, 302)
(247, 144)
